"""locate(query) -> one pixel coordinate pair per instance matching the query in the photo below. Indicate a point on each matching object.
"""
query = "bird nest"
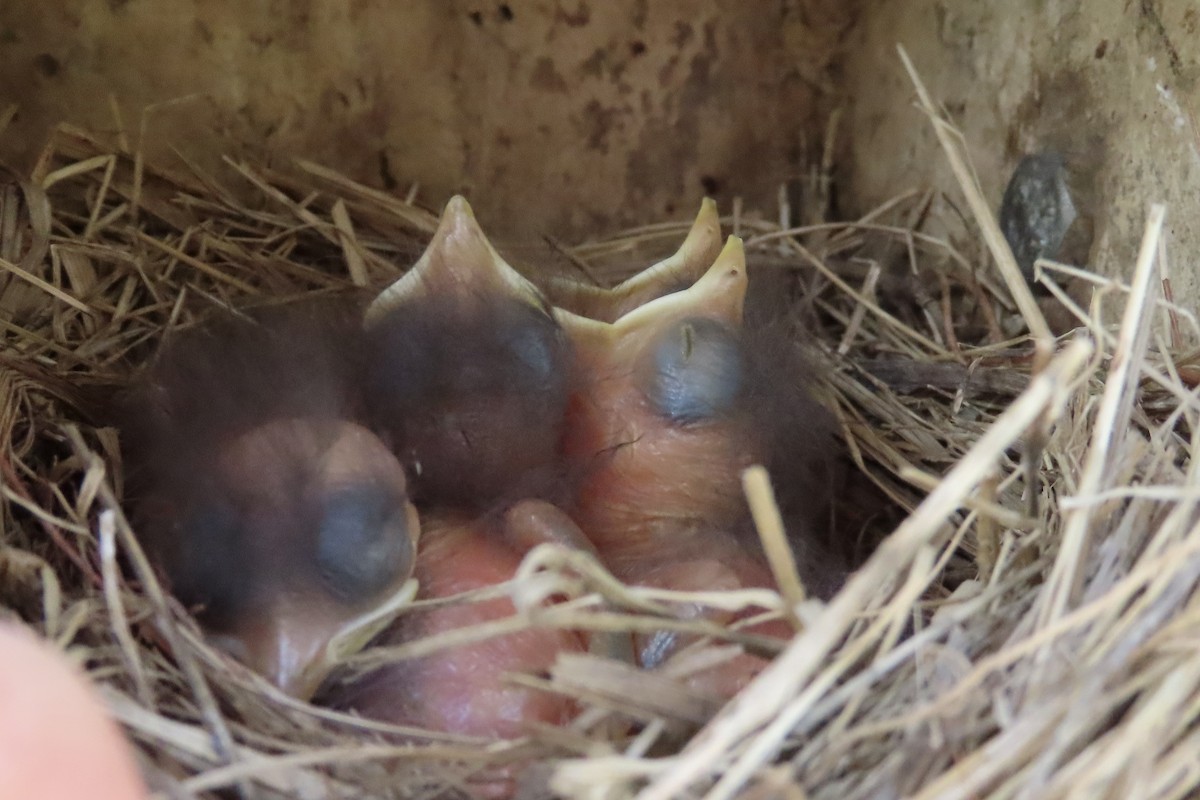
(1022, 631)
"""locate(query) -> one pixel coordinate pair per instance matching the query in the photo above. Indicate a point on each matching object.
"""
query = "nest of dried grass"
(1023, 632)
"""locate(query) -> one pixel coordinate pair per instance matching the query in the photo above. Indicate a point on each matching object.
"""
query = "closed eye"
(363, 544)
(695, 371)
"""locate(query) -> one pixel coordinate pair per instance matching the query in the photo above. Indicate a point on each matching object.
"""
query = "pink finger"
(56, 739)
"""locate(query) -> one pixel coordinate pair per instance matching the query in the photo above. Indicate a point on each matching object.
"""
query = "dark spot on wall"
(1154, 24)
(581, 16)
(47, 65)
(641, 10)
(666, 73)
(593, 67)
(598, 123)
(637, 48)
(545, 76)
(204, 32)
(710, 37)
(506, 12)
(476, 17)
(260, 40)
(700, 70)
(711, 185)
(1101, 48)
(683, 34)
(604, 62)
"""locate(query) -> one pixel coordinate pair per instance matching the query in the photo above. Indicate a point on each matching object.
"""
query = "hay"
(1026, 631)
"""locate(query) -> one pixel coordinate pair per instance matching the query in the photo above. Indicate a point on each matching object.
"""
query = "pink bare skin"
(464, 689)
(57, 742)
(661, 424)
(723, 567)
(649, 487)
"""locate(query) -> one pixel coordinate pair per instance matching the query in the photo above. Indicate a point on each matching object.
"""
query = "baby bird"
(671, 403)
(655, 414)
(468, 380)
(270, 508)
(469, 372)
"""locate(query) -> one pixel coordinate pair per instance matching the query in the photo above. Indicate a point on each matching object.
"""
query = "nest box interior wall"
(578, 117)
(570, 116)
(1109, 84)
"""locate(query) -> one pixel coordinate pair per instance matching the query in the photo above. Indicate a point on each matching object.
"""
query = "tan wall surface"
(579, 116)
(1110, 83)
(571, 116)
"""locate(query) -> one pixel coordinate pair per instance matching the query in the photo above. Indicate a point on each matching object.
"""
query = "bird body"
(467, 689)
(468, 384)
(661, 417)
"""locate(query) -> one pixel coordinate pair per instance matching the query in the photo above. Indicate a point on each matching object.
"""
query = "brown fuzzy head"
(468, 373)
(271, 511)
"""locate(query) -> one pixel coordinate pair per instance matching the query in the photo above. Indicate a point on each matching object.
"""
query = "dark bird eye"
(695, 371)
(363, 542)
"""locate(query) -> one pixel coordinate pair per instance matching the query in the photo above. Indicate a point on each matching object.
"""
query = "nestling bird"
(278, 462)
(670, 403)
(270, 508)
(468, 380)
(654, 412)
(468, 376)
